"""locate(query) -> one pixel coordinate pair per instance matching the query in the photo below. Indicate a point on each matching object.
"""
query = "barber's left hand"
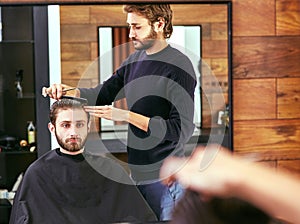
(108, 112)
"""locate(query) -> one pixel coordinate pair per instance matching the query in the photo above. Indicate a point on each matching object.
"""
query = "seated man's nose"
(73, 130)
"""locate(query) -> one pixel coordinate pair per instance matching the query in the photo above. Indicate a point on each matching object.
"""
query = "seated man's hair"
(64, 104)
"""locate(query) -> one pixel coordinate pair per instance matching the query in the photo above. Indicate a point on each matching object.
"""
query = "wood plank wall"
(266, 72)
(266, 78)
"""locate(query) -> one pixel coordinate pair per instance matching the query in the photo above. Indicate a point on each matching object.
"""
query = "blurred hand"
(209, 171)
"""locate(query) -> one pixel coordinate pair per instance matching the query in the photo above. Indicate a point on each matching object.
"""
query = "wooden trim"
(45, 2)
(270, 155)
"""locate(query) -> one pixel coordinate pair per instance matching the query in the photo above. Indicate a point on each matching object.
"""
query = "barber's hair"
(64, 104)
(153, 12)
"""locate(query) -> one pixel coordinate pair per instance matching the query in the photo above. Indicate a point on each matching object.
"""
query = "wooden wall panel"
(271, 155)
(253, 18)
(214, 48)
(111, 15)
(78, 33)
(94, 50)
(191, 15)
(291, 166)
(79, 70)
(74, 15)
(266, 47)
(219, 31)
(287, 17)
(261, 135)
(254, 99)
(263, 57)
(220, 67)
(75, 51)
(206, 31)
(288, 97)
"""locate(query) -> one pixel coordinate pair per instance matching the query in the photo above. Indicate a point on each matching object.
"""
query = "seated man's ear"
(51, 127)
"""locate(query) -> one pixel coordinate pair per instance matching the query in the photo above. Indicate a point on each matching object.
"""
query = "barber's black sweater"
(160, 86)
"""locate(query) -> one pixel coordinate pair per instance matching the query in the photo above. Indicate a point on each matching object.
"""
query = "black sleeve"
(112, 89)
(106, 93)
(90, 94)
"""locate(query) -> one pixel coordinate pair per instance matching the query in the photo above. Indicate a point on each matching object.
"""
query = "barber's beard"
(70, 146)
(147, 42)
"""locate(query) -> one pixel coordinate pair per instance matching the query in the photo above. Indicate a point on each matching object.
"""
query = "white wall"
(54, 52)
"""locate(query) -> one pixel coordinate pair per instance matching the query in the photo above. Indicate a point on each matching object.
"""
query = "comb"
(81, 100)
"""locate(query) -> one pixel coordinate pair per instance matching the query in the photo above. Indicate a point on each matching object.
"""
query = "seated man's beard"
(71, 147)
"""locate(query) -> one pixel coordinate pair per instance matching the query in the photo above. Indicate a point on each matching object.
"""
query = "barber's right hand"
(56, 91)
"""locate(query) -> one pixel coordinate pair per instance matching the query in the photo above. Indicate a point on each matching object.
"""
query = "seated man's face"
(71, 129)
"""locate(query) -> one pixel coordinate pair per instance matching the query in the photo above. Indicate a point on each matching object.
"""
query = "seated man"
(62, 186)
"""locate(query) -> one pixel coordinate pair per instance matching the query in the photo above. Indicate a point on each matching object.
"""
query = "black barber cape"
(64, 189)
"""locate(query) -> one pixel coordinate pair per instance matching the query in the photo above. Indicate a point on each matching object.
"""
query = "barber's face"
(71, 129)
(141, 32)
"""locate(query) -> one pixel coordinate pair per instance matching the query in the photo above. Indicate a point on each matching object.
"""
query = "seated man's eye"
(65, 125)
(80, 125)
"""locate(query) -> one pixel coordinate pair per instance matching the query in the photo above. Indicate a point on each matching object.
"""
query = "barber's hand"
(210, 172)
(56, 91)
(108, 112)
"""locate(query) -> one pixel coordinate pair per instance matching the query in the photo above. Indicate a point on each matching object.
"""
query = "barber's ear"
(159, 25)
(51, 127)
(89, 126)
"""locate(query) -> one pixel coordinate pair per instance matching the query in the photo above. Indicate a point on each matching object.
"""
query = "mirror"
(215, 48)
(78, 48)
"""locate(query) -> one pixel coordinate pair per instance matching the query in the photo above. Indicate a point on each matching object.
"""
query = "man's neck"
(71, 153)
(158, 46)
